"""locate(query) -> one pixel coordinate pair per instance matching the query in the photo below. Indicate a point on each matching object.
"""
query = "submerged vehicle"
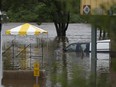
(102, 46)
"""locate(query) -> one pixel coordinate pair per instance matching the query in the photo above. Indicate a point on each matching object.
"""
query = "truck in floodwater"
(102, 46)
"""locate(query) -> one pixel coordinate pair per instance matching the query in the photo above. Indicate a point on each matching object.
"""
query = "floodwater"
(69, 69)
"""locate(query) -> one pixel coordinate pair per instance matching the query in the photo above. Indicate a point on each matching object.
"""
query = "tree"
(20, 10)
(60, 13)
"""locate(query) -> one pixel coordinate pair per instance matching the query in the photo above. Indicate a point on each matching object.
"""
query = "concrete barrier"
(21, 74)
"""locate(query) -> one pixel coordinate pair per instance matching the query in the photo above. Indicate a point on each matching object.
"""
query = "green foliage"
(100, 21)
(40, 10)
(74, 18)
(44, 13)
(113, 64)
(77, 77)
(23, 15)
(27, 15)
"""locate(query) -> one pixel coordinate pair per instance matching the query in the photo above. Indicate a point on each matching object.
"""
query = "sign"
(86, 9)
(96, 7)
(36, 69)
(36, 85)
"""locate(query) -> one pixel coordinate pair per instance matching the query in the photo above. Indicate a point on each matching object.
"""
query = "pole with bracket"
(1, 68)
(93, 54)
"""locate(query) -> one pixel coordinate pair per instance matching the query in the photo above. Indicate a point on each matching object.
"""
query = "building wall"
(96, 6)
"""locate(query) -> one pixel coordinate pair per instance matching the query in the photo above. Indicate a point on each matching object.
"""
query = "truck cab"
(102, 46)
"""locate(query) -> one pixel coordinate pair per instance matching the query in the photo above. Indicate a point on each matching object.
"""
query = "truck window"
(83, 47)
(71, 47)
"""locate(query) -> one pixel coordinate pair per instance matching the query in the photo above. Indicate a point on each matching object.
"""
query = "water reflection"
(66, 69)
(18, 83)
(23, 83)
(69, 60)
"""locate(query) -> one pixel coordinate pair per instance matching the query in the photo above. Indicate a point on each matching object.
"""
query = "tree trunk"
(61, 22)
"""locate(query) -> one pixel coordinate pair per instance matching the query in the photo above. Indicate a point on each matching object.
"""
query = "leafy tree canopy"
(40, 10)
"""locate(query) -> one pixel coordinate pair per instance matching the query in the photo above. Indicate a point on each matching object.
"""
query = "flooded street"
(68, 69)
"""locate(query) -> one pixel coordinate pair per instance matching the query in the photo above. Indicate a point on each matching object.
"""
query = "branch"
(66, 26)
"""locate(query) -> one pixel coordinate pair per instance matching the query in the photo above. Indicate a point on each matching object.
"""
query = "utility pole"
(1, 69)
(93, 55)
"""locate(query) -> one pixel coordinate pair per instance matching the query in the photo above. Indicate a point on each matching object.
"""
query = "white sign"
(86, 9)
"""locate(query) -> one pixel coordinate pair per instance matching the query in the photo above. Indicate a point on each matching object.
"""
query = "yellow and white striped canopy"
(25, 29)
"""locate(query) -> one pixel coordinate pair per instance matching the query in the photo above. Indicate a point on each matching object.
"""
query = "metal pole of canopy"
(42, 52)
(13, 54)
(13, 50)
(30, 55)
(93, 54)
(47, 46)
(42, 45)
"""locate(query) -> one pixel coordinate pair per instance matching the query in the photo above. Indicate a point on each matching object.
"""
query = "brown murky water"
(64, 64)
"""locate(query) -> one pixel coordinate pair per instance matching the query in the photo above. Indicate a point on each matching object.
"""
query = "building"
(97, 7)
